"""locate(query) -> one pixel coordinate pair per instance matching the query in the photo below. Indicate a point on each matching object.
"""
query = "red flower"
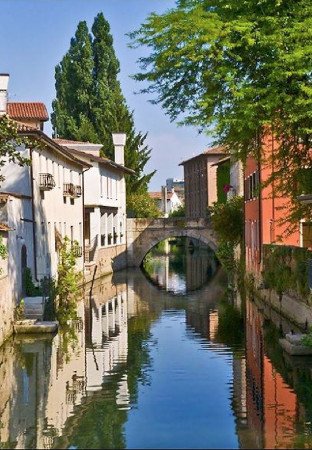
(227, 188)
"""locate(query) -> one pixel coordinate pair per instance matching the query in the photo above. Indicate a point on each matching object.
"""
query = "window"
(307, 234)
(58, 176)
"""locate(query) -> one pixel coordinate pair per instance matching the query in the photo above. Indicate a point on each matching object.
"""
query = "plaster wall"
(53, 210)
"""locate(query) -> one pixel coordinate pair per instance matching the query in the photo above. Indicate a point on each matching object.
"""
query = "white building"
(50, 196)
(104, 204)
(173, 202)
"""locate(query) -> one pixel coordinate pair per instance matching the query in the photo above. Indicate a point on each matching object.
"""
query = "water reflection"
(144, 368)
(180, 265)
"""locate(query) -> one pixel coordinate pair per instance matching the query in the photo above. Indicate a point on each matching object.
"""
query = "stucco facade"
(104, 193)
(265, 209)
(53, 184)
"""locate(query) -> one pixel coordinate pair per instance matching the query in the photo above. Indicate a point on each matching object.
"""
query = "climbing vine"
(228, 223)
(285, 269)
(68, 283)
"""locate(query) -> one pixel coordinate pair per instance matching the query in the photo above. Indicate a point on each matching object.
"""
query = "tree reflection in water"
(83, 387)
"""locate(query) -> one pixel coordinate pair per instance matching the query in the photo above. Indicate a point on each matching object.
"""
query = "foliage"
(141, 205)
(228, 223)
(223, 179)
(68, 283)
(30, 289)
(228, 220)
(10, 140)
(225, 254)
(285, 269)
(19, 310)
(240, 71)
(89, 103)
(180, 212)
(49, 290)
(3, 249)
(307, 338)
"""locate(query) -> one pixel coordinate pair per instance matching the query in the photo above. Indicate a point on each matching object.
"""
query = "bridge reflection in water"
(80, 387)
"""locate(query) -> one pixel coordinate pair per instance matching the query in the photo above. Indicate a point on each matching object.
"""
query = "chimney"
(4, 81)
(119, 140)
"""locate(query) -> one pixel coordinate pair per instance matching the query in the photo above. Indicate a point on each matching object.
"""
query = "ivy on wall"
(223, 179)
(285, 269)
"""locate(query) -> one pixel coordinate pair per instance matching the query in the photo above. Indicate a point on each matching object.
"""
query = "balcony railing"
(69, 189)
(78, 191)
(46, 182)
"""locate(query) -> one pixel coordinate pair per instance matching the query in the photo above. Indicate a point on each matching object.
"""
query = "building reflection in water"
(44, 380)
(267, 409)
(46, 383)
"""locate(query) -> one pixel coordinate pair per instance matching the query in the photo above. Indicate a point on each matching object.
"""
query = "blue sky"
(35, 34)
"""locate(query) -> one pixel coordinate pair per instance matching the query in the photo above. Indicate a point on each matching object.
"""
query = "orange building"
(272, 406)
(265, 209)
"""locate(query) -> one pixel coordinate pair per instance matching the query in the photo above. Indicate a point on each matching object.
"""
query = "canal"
(161, 357)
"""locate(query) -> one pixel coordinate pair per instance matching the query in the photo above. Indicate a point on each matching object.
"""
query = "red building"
(265, 209)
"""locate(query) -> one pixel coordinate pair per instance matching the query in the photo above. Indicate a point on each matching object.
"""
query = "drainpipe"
(260, 216)
(83, 216)
(273, 188)
(33, 215)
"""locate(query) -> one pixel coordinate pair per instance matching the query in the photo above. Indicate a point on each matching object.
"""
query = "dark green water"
(158, 364)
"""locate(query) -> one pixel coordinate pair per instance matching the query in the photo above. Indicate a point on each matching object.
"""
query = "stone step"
(33, 300)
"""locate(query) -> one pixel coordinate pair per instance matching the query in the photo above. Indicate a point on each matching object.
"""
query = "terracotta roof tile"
(4, 227)
(27, 110)
(159, 195)
(69, 141)
(218, 150)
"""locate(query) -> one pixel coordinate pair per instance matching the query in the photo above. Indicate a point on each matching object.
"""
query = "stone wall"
(107, 260)
(6, 308)
(144, 234)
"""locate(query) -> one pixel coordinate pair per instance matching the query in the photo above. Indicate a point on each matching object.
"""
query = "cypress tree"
(89, 102)
(72, 108)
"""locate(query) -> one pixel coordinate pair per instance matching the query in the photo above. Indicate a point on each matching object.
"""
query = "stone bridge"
(144, 234)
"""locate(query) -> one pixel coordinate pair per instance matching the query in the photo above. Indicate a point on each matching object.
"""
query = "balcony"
(46, 182)
(78, 191)
(69, 190)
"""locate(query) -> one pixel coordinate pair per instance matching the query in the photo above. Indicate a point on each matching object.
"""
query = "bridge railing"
(177, 222)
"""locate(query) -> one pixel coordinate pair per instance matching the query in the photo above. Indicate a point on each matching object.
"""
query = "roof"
(211, 151)
(222, 161)
(27, 110)
(159, 195)
(30, 131)
(4, 227)
(98, 159)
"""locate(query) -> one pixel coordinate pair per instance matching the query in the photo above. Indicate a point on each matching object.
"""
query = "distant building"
(200, 181)
(173, 202)
(177, 185)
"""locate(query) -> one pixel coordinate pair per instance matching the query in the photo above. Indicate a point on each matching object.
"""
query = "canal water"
(160, 358)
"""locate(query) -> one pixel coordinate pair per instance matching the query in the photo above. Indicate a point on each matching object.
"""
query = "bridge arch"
(144, 234)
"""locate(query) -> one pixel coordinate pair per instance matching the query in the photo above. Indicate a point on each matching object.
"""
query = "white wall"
(52, 211)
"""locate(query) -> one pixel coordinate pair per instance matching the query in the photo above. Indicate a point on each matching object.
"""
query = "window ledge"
(305, 198)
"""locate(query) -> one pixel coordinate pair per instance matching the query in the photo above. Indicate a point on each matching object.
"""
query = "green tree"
(239, 70)
(72, 109)
(140, 204)
(89, 102)
(10, 141)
